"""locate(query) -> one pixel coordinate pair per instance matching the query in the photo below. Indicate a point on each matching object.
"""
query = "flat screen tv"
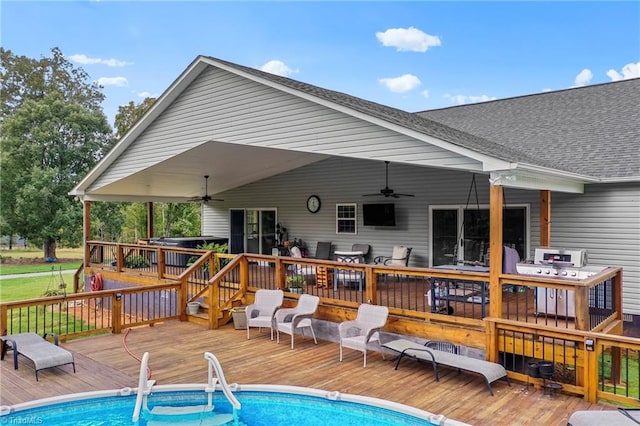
(383, 214)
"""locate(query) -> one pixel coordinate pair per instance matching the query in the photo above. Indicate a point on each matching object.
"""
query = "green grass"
(32, 287)
(25, 269)
(35, 253)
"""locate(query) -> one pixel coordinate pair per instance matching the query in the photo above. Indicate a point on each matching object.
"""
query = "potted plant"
(295, 283)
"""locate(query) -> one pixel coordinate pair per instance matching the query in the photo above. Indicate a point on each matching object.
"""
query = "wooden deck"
(177, 348)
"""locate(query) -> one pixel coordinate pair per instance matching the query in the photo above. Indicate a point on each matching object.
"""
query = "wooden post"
(214, 305)
(545, 218)
(582, 308)
(4, 325)
(495, 251)
(86, 231)
(244, 275)
(161, 262)
(116, 314)
(150, 220)
(371, 285)
(591, 373)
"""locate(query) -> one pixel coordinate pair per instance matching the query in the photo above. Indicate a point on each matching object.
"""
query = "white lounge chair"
(289, 320)
(491, 371)
(357, 334)
(40, 351)
(261, 312)
(621, 417)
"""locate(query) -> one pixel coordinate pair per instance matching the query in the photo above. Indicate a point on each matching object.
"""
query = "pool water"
(258, 409)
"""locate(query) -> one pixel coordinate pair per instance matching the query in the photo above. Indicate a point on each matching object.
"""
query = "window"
(460, 234)
(346, 219)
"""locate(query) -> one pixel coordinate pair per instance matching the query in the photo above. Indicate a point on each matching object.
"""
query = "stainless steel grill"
(558, 263)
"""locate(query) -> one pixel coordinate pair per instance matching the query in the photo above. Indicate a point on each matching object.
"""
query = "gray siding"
(219, 106)
(605, 220)
(342, 180)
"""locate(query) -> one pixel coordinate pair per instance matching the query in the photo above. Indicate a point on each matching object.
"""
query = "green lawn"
(35, 253)
(45, 267)
(32, 287)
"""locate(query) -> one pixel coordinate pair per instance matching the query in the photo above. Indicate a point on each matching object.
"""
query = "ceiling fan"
(386, 191)
(206, 197)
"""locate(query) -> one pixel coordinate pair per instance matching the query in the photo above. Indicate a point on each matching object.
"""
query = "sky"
(415, 55)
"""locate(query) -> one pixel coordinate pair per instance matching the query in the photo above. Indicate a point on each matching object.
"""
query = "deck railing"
(87, 313)
(596, 365)
(510, 324)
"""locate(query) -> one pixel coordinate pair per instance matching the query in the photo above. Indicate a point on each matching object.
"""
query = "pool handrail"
(144, 386)
(214, 364)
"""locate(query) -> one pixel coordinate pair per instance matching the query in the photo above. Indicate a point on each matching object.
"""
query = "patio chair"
(364, 248)
(348, 276)
(39, 350)
(365, 329)
(261, 312)
(303, 270)
(289, 320)
(399, 257)
(323, 250)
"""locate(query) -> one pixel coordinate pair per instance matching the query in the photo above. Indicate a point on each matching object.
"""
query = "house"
(568, 163)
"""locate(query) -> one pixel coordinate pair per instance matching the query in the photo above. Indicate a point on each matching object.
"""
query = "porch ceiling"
(181, 177)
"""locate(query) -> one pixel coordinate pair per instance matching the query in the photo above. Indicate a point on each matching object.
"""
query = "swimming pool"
(262, 405)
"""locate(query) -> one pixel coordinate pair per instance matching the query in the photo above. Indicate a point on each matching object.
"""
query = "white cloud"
(278, 68)
(407, 39)
(631, 70)
(401, 84)
(583, 78)
(113, 81)
(465, 99)
(146, 94)
(425, 93)
(85, 60)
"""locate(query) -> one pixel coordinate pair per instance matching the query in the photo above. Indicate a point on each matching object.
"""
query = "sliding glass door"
(461, 234)
(253, 230)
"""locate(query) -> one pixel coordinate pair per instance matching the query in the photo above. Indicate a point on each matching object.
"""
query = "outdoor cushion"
(40, 351)
(491, 371)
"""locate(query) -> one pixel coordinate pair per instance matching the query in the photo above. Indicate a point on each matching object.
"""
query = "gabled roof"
(557, 140)
(592, 130)
(407, 120)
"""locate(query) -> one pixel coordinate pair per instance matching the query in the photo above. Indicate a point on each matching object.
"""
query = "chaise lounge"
(39, 350)
(491, 371)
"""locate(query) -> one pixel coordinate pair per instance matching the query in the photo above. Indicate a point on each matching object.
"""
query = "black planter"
(534, 370)
(545, 369)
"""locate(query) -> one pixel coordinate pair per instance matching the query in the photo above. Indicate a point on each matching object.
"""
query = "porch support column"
(149, 220)
(545, 218)
(495, 251)
(86, 230)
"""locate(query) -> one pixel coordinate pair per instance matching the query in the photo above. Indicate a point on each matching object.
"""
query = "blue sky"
(408, 55)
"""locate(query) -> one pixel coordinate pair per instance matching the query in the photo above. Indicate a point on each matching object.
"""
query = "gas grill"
(562, 264)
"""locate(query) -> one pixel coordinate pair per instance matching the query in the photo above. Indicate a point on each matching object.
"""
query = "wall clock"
(313, 204)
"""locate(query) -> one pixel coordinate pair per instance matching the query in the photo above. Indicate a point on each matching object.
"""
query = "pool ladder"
(168, 414)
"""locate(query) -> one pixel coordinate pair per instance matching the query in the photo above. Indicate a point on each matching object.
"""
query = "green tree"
(129, 114)
(53, 131)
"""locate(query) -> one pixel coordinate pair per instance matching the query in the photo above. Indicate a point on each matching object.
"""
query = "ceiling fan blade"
(386, 191)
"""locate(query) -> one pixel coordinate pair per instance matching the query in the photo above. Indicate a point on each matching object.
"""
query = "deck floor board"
(177, 348)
